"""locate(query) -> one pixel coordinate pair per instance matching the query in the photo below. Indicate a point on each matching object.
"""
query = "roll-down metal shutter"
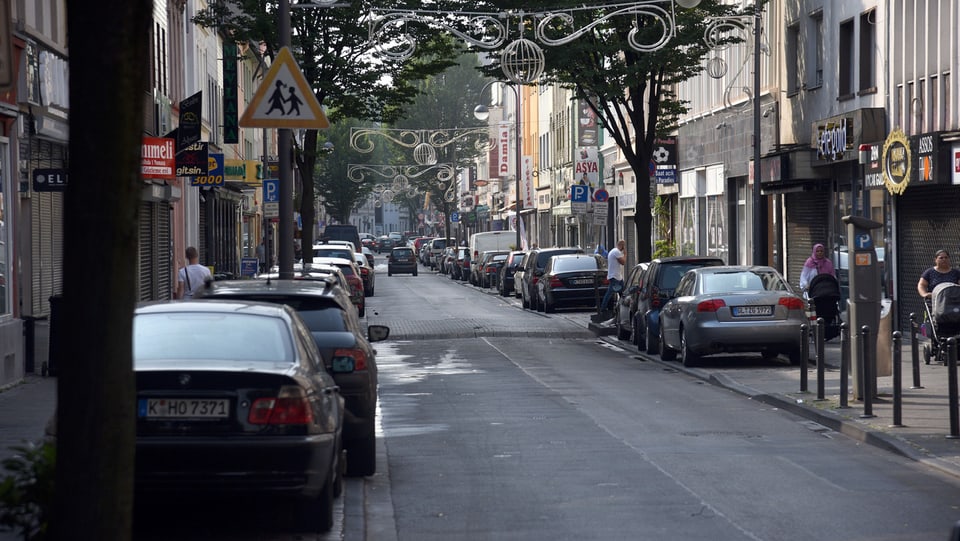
(807, 221)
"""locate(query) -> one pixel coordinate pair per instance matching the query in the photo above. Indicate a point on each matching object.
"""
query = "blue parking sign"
(579, 193)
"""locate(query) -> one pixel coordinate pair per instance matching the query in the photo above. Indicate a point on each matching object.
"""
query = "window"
(867, 57)
(794, 75)
(845, 52)
(816, 55)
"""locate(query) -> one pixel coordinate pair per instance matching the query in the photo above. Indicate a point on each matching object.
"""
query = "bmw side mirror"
(377, 333)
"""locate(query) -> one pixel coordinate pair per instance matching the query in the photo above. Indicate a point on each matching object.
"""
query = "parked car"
(572, 280)
(367, 274)
(401, 260)
(342, 341)
(385, 244)
(507, 271)
(478, 267)
(660, 280)
(437, 247)
(445, 260)
(461, 265)
(724, 309)
(627, 305)
(518, 276)
(352, 274)
(371, 260)
(533, 267)
(233, 396)
(490, 275)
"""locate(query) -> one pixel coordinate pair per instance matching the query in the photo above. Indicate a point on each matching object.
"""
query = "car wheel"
(635, 338)
(414, 272)
(524, 301)
(795, 355)
(650, 342)
(622, 333)
(689, 357)
(362, 457)
(666, 352)
(548, 307)
(389, 273)
(315, 514)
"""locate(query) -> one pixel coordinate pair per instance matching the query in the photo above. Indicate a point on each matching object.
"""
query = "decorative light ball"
(522, 61)
(387, 195)
(716, 67)
(425, 154)
(688, 4)
(400, 182)
(442, 185)
(377, 203)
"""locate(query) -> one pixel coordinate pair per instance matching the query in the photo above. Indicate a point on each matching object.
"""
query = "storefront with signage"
(921, 173)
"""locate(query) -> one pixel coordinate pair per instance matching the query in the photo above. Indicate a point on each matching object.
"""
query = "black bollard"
(915, 350)
(897, 381)
(844, 365)
(821, 360)
(804, 355)
(866, 389)
(952, 386)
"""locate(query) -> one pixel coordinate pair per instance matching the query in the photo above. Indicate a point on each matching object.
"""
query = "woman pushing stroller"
(818, 263)
(941, 303)
(941, 272)
(819, 284)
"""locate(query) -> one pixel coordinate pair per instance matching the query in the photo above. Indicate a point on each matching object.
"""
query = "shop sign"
(192, 161)
(873, 168)
(834, 140)
(664, 160)
(247, 171)
(214, 176)
(931, 159)
(158, 158)
(896, 162)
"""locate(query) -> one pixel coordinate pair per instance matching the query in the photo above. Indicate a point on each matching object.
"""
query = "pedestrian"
(616, 259)
(193, 276)
(941, 272)
(261, 257)
(817, 263)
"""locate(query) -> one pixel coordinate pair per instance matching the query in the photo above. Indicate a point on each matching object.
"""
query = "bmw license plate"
(740, 311)
(581, 282)
(183, 408)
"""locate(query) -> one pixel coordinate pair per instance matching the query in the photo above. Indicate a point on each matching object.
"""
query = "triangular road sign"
(284, 99)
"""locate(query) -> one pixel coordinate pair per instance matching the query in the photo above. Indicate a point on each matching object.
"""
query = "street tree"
(96, 390)
(445, 102)
(629, 91)
(338, 192)
(332, 49)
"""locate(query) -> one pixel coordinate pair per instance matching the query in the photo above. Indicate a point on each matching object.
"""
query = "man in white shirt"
(192, 277)
(616, 259)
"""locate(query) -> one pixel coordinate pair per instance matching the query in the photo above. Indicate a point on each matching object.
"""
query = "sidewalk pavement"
(924, 431)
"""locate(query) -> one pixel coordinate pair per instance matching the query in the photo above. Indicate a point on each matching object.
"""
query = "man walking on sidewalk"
(616, 259)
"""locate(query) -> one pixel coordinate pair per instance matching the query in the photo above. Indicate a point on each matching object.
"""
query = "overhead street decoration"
(284, 99)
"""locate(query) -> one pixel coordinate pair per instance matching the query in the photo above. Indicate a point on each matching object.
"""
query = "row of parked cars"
(258, 387)
(687, 307)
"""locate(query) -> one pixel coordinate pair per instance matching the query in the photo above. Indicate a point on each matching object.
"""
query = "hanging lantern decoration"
(425, 154)
(522, 61)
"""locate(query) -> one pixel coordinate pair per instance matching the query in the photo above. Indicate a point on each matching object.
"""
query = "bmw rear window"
(215, 336)
(567, 264)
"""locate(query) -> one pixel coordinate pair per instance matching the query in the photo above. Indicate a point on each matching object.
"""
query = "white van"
(491, 240)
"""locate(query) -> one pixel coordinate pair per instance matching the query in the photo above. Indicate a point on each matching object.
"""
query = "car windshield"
(736, 281)
(333, 252)
(189, 336)
(567, 264)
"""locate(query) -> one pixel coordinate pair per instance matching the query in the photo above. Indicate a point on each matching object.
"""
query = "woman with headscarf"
(817, 263)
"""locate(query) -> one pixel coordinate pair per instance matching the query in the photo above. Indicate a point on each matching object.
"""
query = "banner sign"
(192, 161)
(246, 171)
(214, 176)
(665, 161)
(231, 122)
(49, 180)
(157, 158)
(503, 143)
(587, 131)
(188, 131)
(587, 168)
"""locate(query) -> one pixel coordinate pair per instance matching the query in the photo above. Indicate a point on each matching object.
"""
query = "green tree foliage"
(332, 49)
(629, 91)
(446, 102)
(338, 193)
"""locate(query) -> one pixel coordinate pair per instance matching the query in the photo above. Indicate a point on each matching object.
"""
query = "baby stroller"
(824, 293)
(943, 318)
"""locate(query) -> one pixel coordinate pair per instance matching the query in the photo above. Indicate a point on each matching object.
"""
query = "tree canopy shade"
(630, 91)
(333, 51)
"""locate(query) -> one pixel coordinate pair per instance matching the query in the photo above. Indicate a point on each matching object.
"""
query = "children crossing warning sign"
(284, 99)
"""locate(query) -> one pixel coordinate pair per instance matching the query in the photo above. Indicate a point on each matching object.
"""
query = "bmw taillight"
(555, 282)
(289, 407)
(711, 305)
(358, 356)
(791, 303)
(491, 269)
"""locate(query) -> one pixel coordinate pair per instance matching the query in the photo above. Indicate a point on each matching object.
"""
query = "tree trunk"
(96, 390)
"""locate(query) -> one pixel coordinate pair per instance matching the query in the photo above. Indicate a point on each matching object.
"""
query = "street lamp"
(482, 114)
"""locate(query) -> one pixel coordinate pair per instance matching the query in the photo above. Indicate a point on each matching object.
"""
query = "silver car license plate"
(740, 311)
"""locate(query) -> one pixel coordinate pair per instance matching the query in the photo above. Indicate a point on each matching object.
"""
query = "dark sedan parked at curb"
(233, 397)
(731, 309)
(533, 266)
(343, 343)
(401, 260)
(572, 280)
(507, 272)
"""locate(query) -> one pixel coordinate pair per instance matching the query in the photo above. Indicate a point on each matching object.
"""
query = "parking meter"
(864, 301)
